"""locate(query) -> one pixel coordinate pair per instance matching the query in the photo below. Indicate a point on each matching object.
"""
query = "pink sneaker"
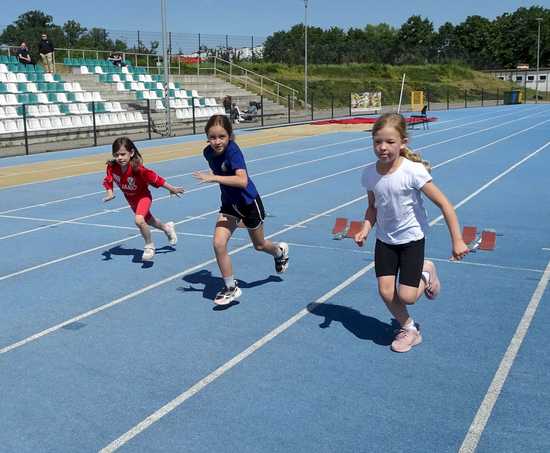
(434, 285)
(405, 340)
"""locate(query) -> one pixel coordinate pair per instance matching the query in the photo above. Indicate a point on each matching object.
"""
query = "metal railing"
(262, 85)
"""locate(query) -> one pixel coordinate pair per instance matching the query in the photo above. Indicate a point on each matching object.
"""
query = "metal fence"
(147, 42)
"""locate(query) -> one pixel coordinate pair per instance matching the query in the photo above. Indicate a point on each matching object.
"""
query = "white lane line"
(189, 219)
(441, 260)
(173, 404)
(196, 388)
(263, 158)
(483, 414)
(160, 162)
(165, 197)
(452, 139)
(160, 283)
(39, 266)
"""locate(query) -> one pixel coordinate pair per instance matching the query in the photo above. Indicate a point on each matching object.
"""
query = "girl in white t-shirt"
(394, 185)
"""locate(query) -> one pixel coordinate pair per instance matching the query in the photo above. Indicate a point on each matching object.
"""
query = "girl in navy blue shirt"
(241, 204)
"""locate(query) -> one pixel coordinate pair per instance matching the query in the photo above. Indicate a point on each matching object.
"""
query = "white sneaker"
(227, 295)
(281, 263)
(171, 233)
(148, 252)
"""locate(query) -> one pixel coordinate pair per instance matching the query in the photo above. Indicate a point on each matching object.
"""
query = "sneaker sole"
(416, 343)
(228, 300)
(435, 284)
(173, 228)
(284, 246)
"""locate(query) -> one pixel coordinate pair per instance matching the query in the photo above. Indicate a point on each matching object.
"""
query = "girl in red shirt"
(133, 179)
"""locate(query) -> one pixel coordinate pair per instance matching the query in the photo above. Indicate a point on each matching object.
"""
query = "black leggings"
(405, 259)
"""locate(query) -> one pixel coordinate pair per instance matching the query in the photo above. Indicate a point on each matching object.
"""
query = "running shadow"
(136, 254)
(213, 284)
(362, 326)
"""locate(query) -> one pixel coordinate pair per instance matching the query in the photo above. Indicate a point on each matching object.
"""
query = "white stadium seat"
(66, 121)
(84, 70)
(48, 77)
(45, 124)
(43, 110)
(96, 96)
(10, 126)
(3, 68)
(56, 122)
(20, 77)
(54, 110)
(77, 121)
(43, 98)
(98, 70)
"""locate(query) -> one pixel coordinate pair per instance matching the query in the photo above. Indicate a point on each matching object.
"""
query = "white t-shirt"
(400, 214)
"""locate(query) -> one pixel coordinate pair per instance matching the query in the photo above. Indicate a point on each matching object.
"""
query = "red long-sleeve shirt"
(133, 183)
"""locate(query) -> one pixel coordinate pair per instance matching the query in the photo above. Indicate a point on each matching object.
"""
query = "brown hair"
(398, 122)
(125, 142)
(222, 121)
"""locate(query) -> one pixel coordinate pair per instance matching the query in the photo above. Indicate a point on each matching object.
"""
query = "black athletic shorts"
(405, 259)
(252, 214)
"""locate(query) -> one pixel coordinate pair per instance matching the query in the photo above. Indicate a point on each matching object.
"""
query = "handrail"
(262, 84)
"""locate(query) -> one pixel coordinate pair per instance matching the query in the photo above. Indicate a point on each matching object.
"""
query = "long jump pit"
(17, 175)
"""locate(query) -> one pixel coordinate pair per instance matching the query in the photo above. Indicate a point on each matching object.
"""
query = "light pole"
(305, 53)
(539, 20)
(166, 66)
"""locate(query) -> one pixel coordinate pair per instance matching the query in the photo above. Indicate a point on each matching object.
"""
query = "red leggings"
(141, 206)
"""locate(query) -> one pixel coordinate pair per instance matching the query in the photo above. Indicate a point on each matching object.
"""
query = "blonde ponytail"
(407, 153)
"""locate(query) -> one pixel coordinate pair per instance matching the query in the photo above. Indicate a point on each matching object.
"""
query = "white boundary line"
(188, 219)
(97, 213)
(162, 282)
(197, 387)
(483, 414)
(275, 156)
(165, 197)
(39, 266)
(253, 160)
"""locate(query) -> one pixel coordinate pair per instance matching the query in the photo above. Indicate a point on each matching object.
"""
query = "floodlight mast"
(305, 53)
(166, 66)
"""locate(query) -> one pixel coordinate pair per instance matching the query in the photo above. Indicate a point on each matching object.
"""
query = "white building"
(525, 77)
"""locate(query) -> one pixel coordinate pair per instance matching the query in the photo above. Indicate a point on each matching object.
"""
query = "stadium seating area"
(50, 102)
(146, 86)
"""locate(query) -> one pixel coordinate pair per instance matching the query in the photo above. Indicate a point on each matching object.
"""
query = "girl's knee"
(220, 245)
(407, 296)
(386, 290)
(140, 220)
(259, 246)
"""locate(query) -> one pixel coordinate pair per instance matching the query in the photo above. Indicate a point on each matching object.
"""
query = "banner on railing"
(367, 102)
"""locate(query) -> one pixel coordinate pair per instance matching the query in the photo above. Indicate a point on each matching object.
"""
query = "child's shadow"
(213, 284)
(135, 254)
(362, 326)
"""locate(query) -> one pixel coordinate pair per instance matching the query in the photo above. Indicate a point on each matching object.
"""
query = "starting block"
(340, 225)
(354, 227)
(342, 229)
(488, 240)
(469, 234)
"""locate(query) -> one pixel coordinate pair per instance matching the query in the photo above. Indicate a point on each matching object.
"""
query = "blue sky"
(256, 17)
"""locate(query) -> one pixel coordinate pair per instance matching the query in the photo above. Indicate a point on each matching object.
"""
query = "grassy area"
(338, 81)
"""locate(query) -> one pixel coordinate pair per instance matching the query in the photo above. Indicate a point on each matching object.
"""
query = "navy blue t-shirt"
(227, 164)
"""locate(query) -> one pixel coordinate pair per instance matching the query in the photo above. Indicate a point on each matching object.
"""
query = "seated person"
(116, 59)
(24, 56)
(235, 116)
(251, 113)
(227, 104)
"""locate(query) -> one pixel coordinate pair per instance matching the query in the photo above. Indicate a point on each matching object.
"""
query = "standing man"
(46, 49)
